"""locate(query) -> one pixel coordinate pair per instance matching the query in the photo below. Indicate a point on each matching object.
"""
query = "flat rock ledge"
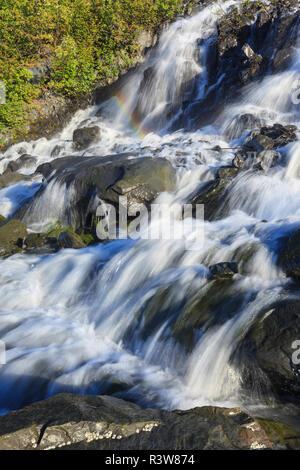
(68, 421)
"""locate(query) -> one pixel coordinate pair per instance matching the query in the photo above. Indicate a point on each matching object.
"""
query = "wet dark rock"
(282, 135)
(289, 256)
(210, 194)
(25, 161)
(223, 270)
(268, 138)
(251, 42)
(266, 159)
(242, 123)
(265, 354)
(283, 58)
(56, 151)
(101, 422)
(85, 136)
(259, 142)
(213, 305)
(12, 234)
(108, 178)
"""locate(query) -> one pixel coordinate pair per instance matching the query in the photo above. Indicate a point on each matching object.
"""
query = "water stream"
(111, 318)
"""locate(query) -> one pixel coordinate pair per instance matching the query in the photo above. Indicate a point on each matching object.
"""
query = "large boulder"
(104, 423)
(265, 355)
(140, 179)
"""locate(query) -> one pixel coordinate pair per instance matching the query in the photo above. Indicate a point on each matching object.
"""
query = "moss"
(12, 234)
(280, 434)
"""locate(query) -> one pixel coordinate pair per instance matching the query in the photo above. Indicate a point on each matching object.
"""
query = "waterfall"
(118, 317)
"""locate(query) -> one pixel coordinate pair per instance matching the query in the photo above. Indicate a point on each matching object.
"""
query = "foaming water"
(143, 319)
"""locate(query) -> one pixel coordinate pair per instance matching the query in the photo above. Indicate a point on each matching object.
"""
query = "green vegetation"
(85, 41)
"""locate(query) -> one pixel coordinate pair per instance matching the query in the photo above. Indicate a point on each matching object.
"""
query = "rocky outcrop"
(252, 40)
(70, 422)
(106, 178)
(265, 355)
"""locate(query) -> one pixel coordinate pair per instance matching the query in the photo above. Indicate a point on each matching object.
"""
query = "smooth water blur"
(112, 318)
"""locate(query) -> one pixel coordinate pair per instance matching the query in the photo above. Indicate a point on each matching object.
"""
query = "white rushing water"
(112, 317)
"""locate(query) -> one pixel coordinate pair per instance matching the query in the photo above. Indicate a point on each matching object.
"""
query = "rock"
(213, 305)
(140, 179)
(249, 53)
(251, 41)
(211, 193)
(12, 234)
(104, 423)
(283, 58)
(265, 353)
(55, 238)
(56, 151)
(289, 256)
(85, 136)
(268, 138)
(240, 124)
(41, 72)
(40, 243)
(25, 161)
(10, 177)
(227, 172)
(223, 270)
(239, 160)
(266, 159)
(259, 142)
(70, 239)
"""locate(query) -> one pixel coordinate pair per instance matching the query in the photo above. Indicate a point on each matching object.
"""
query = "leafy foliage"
(84, 40)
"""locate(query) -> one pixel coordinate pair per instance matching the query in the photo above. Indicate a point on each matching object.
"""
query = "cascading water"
(114, 318)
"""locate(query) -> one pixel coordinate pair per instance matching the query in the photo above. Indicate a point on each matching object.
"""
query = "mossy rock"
(281, 435)
(12, 234)
(70, 239)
